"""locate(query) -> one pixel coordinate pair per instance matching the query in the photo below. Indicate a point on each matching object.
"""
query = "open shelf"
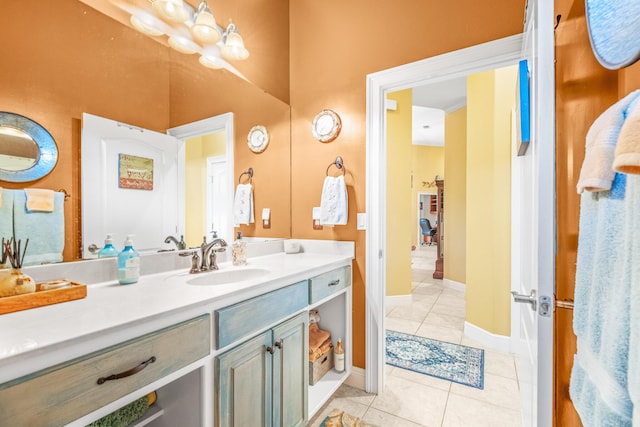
(152, 413)
(324, 389)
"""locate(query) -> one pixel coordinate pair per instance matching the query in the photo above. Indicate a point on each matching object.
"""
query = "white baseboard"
(486, 338)
(396, 300)
(452, 284)
(357, 378)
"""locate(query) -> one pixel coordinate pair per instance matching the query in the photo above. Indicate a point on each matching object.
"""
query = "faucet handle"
(195, 261)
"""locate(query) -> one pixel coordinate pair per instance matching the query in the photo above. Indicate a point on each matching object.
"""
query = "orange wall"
(82, 61)
(334, 45)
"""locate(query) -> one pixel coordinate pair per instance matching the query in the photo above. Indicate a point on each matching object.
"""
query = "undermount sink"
(222, 277)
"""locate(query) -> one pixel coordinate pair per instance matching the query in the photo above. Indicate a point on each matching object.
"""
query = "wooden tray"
(42, 298)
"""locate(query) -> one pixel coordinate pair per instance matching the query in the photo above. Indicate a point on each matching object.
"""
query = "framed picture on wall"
(524, 108)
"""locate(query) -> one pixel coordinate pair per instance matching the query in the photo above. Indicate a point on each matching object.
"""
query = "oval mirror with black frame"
(27, 150)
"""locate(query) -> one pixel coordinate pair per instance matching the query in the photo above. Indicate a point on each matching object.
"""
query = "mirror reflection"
(27, 150)
(18, 151)
(103, 66)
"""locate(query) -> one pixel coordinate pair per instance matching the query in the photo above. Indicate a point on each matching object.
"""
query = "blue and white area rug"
(444, 360)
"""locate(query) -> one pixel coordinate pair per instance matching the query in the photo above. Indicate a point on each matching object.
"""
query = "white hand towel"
(243, 205)
(627, 158)
(597, 169)
(334, 209)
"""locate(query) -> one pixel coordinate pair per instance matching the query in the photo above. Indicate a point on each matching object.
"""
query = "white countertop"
(35, 339)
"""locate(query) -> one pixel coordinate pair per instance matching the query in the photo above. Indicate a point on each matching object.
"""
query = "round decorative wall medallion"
(326, 126)
(258, 138)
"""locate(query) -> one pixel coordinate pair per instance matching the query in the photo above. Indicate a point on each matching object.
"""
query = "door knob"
(529, 299)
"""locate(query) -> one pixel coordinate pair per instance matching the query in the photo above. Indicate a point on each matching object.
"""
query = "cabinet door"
(243, 386)
(290, 372)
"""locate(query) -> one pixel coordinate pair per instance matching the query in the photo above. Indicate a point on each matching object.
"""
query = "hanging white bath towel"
(243, 205)
(334, 209)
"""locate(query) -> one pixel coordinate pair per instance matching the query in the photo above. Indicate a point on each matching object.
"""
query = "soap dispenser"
(239, 251)
(108, 251)
(128, 263)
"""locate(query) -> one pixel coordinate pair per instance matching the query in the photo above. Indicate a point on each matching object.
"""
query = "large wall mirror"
(27, 150)
(99, 65)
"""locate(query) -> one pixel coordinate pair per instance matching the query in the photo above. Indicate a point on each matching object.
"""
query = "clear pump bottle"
(128, 263)
(108, 250)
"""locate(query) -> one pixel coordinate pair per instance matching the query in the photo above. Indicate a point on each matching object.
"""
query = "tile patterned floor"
(415, 400)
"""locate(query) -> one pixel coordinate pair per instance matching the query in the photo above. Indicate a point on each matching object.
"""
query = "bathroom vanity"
(222, 348)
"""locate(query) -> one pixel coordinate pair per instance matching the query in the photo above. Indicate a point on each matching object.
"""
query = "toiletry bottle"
(108, 250)
(338, 357)
(239, 251)
(128, 263)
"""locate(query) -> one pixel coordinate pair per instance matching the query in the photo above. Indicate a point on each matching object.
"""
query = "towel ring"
(247, 172)
(339, 164)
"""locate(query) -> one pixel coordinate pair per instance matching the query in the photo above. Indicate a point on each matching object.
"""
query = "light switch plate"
(266, 213)
(362, 221)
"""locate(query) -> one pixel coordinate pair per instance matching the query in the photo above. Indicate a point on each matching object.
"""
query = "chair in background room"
(428, 233)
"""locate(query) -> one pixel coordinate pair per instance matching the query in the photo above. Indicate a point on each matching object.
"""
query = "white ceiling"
(428, 126)
(444, 97)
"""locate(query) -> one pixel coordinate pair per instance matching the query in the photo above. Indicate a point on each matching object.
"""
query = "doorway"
(217, 197)
(425, 203)
(490, 55)
(215, 213)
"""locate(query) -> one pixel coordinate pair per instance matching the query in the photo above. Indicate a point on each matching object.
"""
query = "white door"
(145, 203)
(534, 226)
(218, 197)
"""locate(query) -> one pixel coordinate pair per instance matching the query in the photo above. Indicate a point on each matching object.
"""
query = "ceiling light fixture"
(192, 31)
(233, 48)
(146, 25)
(171, 10)
(183, 45)
(205, 29)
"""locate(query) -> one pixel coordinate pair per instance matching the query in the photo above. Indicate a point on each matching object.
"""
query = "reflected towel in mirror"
(6, 213)
(243, 205)
(45, 230)
(39, 200)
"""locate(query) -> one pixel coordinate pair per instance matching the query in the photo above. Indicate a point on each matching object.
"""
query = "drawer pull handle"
(128, 373)
(279, 344)
(271, 350)
(335, 282)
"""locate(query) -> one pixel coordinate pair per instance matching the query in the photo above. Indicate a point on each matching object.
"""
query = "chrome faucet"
(179, 245)
(209, 253)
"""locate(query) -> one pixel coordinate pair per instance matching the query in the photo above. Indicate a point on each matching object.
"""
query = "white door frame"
(491, 55)
(220, 123)
(487, 56)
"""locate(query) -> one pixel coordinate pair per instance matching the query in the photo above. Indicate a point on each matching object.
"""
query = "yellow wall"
(490, 98)
(455, 201)
(426, 163)
(400, 228)
(197, 151)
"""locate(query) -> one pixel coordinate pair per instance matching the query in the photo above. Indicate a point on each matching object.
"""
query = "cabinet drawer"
(328, 283)
(59, 395)
(243, 318)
